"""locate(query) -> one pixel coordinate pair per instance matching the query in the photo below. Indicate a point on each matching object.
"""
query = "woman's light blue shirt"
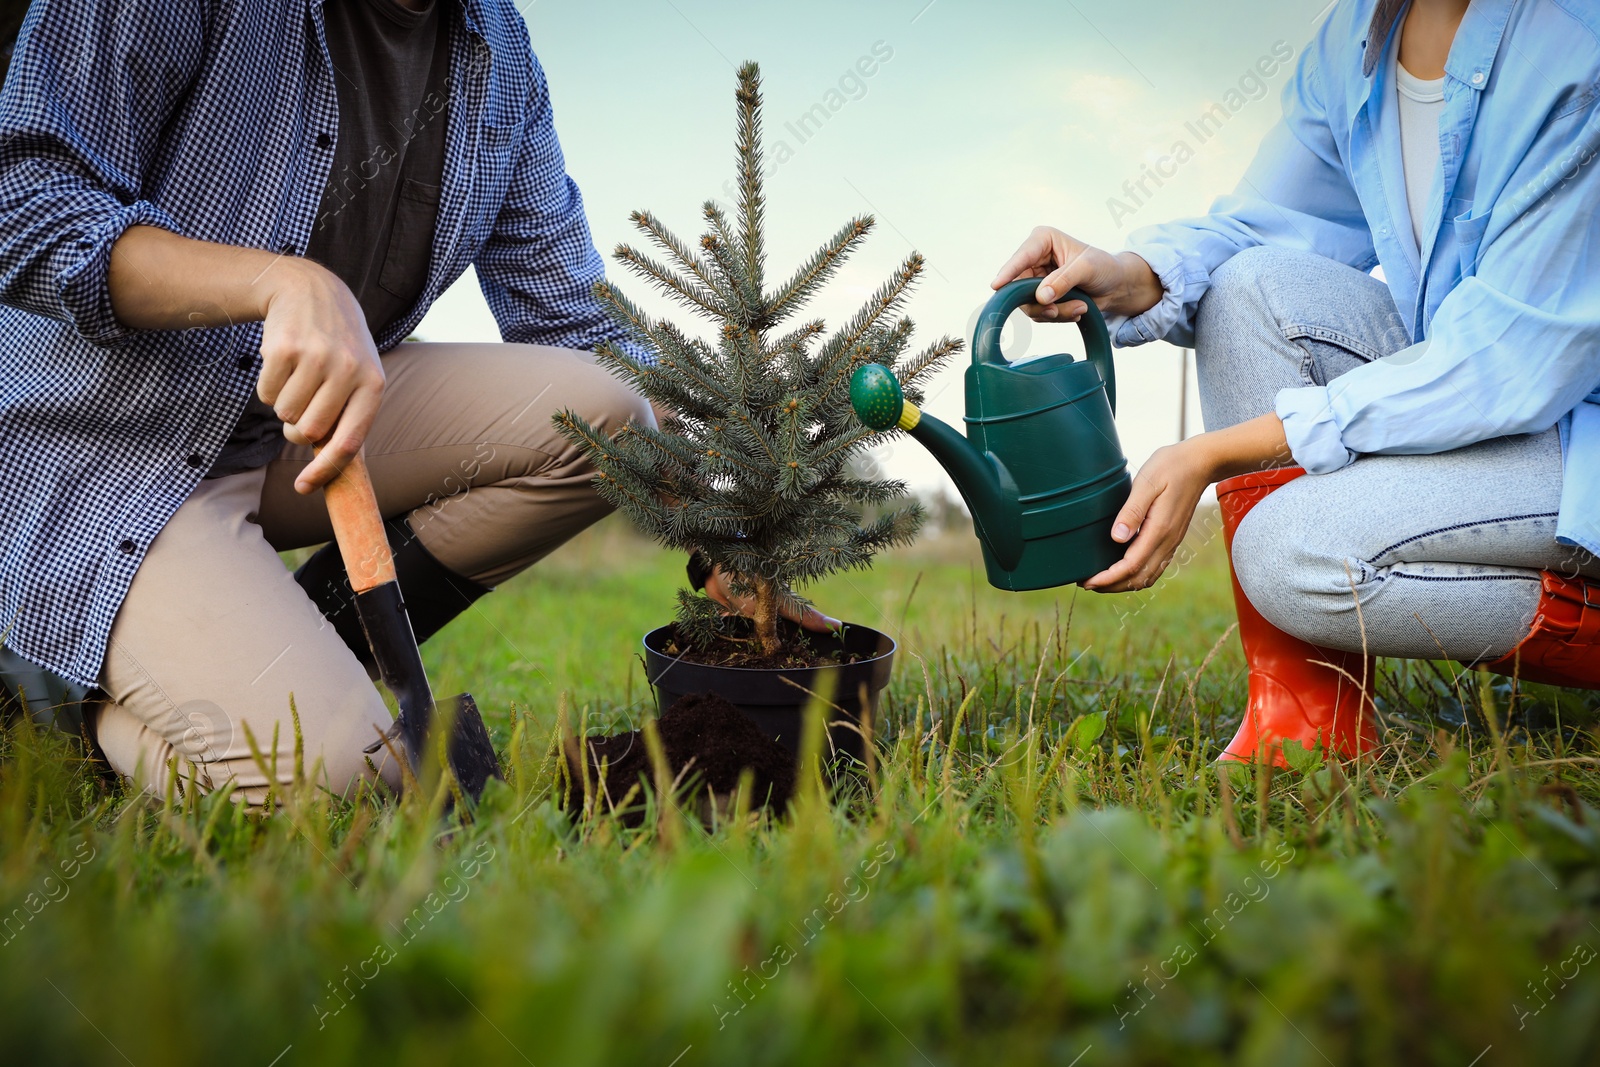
(1505, 292)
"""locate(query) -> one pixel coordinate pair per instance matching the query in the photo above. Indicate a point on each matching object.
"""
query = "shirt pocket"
(405, 265)
(1469, 230)
(499, 157)
(500, 144)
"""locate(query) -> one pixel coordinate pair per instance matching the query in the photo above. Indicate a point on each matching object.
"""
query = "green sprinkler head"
(879, 402)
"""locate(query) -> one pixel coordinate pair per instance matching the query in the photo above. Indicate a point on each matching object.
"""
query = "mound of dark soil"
(703, 732)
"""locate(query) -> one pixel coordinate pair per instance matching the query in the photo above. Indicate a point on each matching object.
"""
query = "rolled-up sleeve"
(1311, 430)
(1295, 194)
(81, 286)
(89, 90)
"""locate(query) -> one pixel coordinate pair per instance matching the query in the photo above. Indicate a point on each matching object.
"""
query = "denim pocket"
(1469, 230)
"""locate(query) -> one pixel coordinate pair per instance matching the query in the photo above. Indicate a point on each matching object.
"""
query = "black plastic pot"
(768, 698)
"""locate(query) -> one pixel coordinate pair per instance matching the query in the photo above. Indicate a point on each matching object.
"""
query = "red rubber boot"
(1297, 690)
(1563, 648)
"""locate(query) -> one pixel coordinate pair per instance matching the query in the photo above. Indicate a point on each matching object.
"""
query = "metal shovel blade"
(394, 649)
(471, 754)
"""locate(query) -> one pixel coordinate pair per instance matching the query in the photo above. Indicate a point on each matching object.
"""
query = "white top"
(1421, 103)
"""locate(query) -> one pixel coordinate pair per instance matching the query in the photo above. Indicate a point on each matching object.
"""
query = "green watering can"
(1041, 471)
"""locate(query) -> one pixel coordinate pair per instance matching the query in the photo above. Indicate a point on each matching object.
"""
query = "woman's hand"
(1121, 284)
(808, 618)
(1156, 516)
(1169, 485)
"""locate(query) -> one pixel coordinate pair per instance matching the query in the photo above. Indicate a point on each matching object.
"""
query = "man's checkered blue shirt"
(207, 118)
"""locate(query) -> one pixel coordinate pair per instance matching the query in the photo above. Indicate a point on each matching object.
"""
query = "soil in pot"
(703, 732)
(737, 647)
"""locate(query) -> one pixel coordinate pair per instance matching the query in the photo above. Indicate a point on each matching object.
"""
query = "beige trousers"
(216, 636)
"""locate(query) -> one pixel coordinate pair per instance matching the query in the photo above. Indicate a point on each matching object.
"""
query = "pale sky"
(985, 120)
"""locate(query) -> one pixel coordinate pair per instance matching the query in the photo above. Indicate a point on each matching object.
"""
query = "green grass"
(573, 625)
(1044, 866)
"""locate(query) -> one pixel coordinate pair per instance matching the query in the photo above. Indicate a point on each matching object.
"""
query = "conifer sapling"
(751, 464)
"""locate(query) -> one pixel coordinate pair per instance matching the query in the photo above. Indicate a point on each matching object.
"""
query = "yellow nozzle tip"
(910, 415)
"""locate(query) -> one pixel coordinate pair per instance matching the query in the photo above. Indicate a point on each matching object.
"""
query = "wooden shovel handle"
(358, 527)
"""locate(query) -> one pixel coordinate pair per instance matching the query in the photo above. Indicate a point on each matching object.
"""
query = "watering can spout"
(985, 485)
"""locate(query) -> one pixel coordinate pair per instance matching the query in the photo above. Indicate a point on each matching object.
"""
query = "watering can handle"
(992, 319)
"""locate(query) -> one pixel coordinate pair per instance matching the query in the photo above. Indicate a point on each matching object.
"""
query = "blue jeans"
(1418, 556)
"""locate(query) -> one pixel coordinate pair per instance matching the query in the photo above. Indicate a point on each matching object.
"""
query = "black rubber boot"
(433, 593)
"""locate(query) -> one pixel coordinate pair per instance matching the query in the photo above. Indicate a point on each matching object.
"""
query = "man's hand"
(809, 618)
(319, 368)
(1120, 284)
